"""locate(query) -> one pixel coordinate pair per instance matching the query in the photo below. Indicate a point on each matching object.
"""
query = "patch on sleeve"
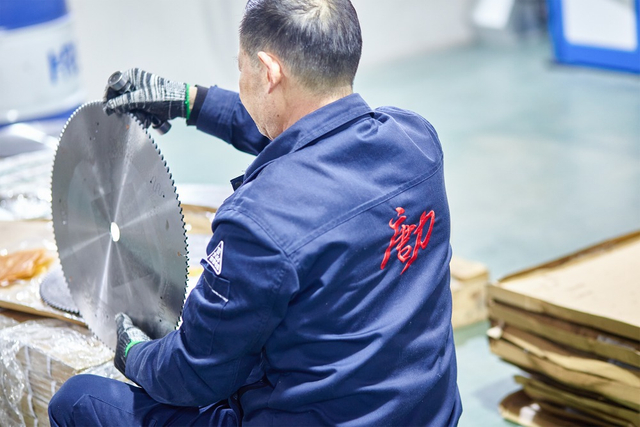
(215, 258)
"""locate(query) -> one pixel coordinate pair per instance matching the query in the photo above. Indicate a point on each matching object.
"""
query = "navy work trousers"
(89, 400)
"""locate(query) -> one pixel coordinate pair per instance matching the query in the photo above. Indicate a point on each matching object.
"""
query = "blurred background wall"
(196, 40)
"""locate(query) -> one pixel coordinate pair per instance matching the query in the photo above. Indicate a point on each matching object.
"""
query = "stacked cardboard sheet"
(574, 325)
(469, 281)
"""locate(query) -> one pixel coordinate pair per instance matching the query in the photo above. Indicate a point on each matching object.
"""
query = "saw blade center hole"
(115, 232)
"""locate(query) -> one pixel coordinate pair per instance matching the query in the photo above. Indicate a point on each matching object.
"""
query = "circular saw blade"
(118, 224)
(55, 292)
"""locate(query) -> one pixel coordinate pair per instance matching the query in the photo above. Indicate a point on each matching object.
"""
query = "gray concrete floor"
(541, 160)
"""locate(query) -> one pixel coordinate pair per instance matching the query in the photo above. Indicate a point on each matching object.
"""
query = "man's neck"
(301, 105)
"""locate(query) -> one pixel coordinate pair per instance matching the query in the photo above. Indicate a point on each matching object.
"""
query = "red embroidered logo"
(407, 254)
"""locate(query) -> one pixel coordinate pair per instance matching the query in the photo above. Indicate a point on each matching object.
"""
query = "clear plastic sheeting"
(36, 358)
(5, 321)
(25, 185)
(26, 159)
(108, 370)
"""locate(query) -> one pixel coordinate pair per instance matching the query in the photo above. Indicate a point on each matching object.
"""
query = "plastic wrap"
(6, 321)
(36, 358)
(25, 189)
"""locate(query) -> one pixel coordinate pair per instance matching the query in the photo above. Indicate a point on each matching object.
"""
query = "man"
(325, 298)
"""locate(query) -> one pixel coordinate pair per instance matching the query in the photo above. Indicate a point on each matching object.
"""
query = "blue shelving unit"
(623, 58)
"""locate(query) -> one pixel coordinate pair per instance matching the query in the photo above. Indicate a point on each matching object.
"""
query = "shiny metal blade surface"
(118, 224)
(55, 292)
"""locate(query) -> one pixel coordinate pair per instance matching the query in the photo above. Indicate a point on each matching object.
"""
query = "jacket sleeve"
(223, 115)
(227, 319)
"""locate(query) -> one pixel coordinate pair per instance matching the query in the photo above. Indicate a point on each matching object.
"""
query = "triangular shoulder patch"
(215, 258)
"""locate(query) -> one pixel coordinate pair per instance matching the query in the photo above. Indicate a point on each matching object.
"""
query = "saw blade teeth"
(64, 128)
(137, 120)
(184, 231)
(108, 345)
(53, 164)
(169, 186)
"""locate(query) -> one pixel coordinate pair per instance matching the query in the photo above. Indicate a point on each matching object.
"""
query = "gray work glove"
(128, 336)
(148, 96)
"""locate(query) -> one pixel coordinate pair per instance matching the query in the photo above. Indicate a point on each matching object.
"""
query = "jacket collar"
(308, 129)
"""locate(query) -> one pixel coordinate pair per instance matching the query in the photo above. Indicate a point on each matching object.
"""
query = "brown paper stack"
(36, 358)
(574, 325)
(469, 280)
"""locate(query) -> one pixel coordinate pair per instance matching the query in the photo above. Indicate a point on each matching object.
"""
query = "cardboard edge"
(516, 299)
(589, 250)
(576, 336)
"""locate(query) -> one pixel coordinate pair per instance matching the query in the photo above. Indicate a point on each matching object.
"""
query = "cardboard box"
(596, 287)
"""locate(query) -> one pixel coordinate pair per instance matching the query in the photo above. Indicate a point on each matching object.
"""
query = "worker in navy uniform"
(325, 296)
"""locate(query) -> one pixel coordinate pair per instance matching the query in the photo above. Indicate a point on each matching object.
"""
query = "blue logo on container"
(63, 64)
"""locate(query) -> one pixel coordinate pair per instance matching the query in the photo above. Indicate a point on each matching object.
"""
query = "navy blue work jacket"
(325, 298)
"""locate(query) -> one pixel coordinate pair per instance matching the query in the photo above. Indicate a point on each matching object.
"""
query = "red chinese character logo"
(407, 254)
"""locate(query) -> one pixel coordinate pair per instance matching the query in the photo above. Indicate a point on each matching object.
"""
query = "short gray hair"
(319, 40)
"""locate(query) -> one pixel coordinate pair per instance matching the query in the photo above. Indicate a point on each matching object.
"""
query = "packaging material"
(199, 204)
(605, 379)
(469, 280)
(580, 337)
(36, 358)
(573, 324)
(25, 179)
(580, 288)
(22, 235)
(197, 219)
(519, 408)
(24, 295)
(7, 321)
(23, 265)
(543, 390)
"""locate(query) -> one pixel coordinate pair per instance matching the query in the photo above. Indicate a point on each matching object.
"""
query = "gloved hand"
(149, 95)
(128, 336)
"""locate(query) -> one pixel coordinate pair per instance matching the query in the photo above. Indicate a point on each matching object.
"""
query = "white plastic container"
(39, 73)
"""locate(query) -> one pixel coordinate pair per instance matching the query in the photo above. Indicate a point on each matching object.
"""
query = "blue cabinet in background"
(600, 33)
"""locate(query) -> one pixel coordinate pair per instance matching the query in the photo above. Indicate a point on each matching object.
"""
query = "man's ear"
(273, 68)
